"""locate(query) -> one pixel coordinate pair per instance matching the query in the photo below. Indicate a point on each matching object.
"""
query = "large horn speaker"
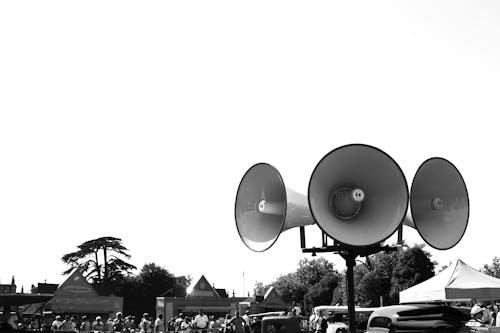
(439, 203)
(265, 207)
(358, 195)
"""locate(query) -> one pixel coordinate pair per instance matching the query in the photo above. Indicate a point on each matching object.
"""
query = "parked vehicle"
(338, 317)
(284, 324)
(421, 318)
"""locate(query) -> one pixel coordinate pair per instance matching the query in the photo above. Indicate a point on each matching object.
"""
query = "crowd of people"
(201, 323)
(117, 323)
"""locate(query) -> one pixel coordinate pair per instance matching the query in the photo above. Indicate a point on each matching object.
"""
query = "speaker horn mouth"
(260, 207)
(345, 203)
(439, 203)
(358, 195)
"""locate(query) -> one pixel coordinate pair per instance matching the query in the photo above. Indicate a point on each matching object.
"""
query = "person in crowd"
(74, 326)
(66, 324)
(145, 325)
(255, 325)
(497, 316)
(227, 325)
(56, 324)
(98, 325)
(119, 323)
(177, 322)
(321, 324)
(159, 326)
(108, 325)
(185, 327)
(133, 323)
(246, 318)
(211, 322)
(170, 325)
(85, 326)
(312, 320)
(215, 324)
(201, 321)
(239, 323)
(478, 317)
(492, 315)
(128, 324)
(486, 314)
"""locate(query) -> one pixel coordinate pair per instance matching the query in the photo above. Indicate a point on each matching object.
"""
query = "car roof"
(393, 309)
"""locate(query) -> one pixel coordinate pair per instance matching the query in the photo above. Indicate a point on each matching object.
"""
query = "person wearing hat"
(145, 324)
(98, 325)
(178, 322)
(119, 323)
(477, 315)
(56, 324)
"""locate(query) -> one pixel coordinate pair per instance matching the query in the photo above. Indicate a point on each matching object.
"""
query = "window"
(383, 322)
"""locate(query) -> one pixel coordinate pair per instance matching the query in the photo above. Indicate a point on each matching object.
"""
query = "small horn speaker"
(265, 207)
(358, 195)
(439, 203)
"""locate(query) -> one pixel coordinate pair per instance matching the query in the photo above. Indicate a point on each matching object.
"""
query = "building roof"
(22, 299)
(76, 285)
(47, 288)
(201, 287)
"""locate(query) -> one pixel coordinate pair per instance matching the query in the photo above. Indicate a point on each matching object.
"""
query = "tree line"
(377, 280)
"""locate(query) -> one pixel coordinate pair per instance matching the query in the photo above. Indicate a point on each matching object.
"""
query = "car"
(284, 324)
(421, 318)
(338, 317)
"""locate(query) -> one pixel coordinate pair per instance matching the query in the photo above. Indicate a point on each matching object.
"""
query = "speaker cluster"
(357, 195)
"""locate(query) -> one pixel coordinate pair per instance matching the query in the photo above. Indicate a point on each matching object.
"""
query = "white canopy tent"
(456, 282)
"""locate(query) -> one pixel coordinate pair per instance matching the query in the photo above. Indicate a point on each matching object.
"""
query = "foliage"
(322, 292)
(259, 289)
(493, 269)
(293, 287)
(140, 292)
(87, 259)
(391, 272)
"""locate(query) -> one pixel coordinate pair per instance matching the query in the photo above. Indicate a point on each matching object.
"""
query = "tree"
(322, 292)
(259, 289)
(493, 269)
(293, 286)
(390, 273)
(87, 258)
(140, 291)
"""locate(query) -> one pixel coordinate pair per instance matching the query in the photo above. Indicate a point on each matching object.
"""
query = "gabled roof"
(201, 288)
(273, 297)
(76, 284)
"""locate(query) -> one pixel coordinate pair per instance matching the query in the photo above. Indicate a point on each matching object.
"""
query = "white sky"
(138, 119)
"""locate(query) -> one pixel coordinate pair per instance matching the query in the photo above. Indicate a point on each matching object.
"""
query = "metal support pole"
(302, 238)
(350, 263)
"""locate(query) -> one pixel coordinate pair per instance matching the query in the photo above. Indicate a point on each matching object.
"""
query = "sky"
(138, 119)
